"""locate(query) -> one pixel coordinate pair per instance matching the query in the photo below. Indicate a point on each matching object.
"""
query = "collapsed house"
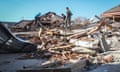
(113, 13)
(89, 45)
(49, 19)
(22, 25)
(64, 51)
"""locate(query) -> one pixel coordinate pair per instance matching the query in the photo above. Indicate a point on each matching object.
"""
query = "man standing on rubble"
(68, 18)
(37, 20)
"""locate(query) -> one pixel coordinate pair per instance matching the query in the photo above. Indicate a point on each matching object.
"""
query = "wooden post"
(113, 18)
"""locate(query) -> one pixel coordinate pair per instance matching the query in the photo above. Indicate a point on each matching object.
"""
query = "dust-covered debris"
(83, 47)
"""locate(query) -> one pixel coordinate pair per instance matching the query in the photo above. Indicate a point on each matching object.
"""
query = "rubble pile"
(57, 44)
(51, 19)
(88, 44)
(85, 47)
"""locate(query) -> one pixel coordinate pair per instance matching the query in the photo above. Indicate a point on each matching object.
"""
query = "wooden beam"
(113, 18)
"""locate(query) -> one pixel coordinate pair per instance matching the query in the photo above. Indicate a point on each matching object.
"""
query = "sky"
(16, 10)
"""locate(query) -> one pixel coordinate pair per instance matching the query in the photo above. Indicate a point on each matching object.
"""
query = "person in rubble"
(37, 20)
(64, 17)
(68, 18)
